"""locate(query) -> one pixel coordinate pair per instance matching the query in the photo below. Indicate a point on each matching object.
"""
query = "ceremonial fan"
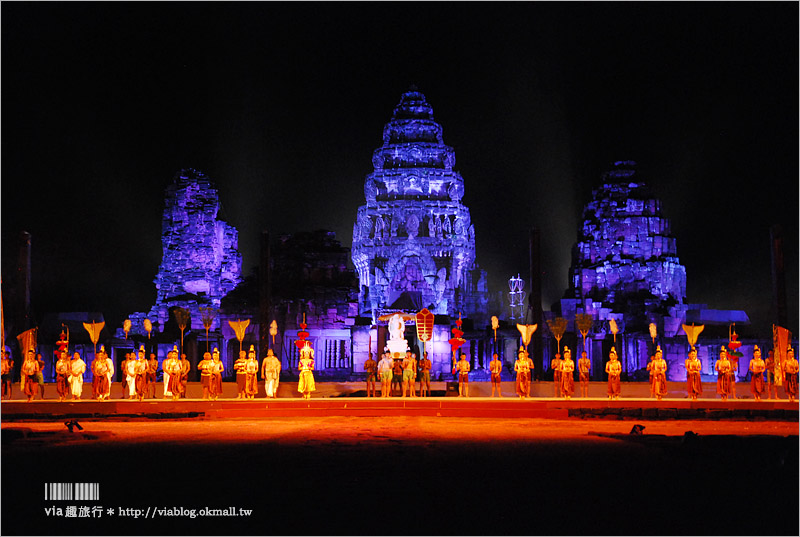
(526, 330)
(424, 324)
(584, 323)
(182, 317)
(273, 330)
(207, 314)
(612, 325)
(94, 332)
(239, 328)
(557, 326)
(692, 332)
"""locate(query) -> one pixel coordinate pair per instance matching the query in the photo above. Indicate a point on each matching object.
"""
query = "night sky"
(282, 105)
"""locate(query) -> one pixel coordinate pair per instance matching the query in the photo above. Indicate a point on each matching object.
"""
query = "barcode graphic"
(72, 491)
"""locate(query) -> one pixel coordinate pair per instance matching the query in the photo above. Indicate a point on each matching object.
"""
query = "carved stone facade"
(625, 248)
(200, 262)
(413, 241)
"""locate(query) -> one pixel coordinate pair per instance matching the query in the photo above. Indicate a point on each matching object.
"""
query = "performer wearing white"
(77, 369)
(130, 371)
(167, 393)
(110, 375)
(270, 372)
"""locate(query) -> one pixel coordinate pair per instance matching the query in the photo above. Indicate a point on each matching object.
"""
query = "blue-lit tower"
(413, 241)
(626, 249)
(201, 261)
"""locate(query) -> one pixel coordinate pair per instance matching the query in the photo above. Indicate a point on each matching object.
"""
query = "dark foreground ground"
(407, 476)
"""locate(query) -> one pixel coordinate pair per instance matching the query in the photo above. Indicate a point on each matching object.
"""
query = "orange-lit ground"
(407, 429)
(410, 475)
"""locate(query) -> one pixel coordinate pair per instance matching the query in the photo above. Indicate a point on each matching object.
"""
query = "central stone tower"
(413, 241)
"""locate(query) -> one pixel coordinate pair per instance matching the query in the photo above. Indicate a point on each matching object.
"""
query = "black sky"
(282, 104)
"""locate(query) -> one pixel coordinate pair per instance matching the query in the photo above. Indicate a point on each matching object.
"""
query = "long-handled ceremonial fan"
(273, 330)
(692, 332)
(526, 330)
(584, 323)
(183, 318)
(424, 323)
(612, 325)
(781, 340)
(653, 332)
(94, 330)
(207, 314)
(126, 327)
(238, 328)
(148, 325)
(557, 326)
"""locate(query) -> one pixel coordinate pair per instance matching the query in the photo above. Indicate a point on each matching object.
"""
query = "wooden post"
(265, 294)
(535, 300)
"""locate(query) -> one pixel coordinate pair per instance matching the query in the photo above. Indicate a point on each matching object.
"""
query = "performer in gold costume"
(723, 369)
(659, 371)
(306, 384)
(522, 368)
(251, 374)
(694, 385)
(614, 370)
(757, 367)
(567, 378)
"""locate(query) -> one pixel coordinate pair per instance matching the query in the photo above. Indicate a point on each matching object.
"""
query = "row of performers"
(140, 374)
(563, 383)
(139, 378)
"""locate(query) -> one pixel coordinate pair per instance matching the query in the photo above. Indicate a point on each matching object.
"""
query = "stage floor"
(476, 407)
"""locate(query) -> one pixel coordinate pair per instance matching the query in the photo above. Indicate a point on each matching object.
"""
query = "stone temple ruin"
(625, 248)
(625, 268)
(413, 241)
(414, 247)
(200, 262)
